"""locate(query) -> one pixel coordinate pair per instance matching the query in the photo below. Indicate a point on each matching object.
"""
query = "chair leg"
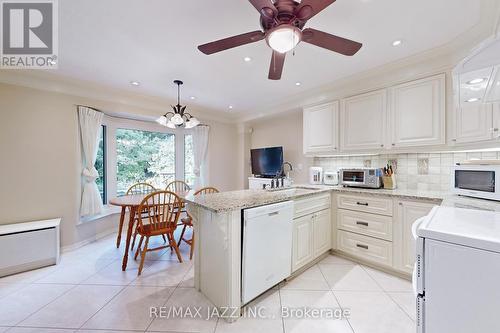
(143, 255)
(169, 241)
(133, 241)
(120, 228)
(164, 240)
(192, 247)
(173, 245)
(138, 248)
(182, 235)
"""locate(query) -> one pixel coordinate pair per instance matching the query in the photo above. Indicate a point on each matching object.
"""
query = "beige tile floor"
(88, 292)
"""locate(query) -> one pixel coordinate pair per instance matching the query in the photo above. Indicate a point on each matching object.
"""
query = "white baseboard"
(84, 242)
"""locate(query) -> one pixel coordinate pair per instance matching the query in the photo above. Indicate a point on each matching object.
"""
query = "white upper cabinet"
(320, 125)
(474, 123)
(496, 121)
(417, 113)
(363, 121)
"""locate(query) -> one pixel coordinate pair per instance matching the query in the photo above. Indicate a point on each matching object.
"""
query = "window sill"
(108, 210)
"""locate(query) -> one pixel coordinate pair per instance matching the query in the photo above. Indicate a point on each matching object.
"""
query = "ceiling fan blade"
(265, 8)
(330, 42)
(229, 43)
(309, 8)
(276, 68)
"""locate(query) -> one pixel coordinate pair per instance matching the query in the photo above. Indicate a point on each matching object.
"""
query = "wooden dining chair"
(178, 186)
(160, 209)
(139, 188)
(188, 221)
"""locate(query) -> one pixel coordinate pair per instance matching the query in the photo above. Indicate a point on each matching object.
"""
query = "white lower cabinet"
(322, 231)
(312, 230)
(407, 212)
(379, 230)
(364, 247)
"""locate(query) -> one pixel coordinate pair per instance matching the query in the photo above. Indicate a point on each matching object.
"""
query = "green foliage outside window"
(144, 156)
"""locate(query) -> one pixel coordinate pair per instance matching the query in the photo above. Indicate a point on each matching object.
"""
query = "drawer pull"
(362, 223)
(273, 213)
(362, 203)
(362, 246)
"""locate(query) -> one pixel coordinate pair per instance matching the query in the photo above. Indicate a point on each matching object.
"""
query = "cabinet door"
(496, 120)
(417, 113)
(302, 247)
(473, 123)
(320, 125)
(363, 121)
(322, 227)
(407, 213)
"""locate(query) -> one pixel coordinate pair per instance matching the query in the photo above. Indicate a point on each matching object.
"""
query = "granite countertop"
(235, 200)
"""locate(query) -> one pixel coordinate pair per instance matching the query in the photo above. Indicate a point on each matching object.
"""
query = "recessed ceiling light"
(230, 107)
(134, 83)
(471, 100)
(247, 59)
(476, 81)
(192, 97)
(397, 42)
(298, 84)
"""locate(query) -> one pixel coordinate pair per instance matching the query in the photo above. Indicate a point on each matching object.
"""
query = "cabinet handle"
(273, 213)
(454, 140)
(362, 246)
(393, 144)
(382, 146)
(362, 223)
(362, 203)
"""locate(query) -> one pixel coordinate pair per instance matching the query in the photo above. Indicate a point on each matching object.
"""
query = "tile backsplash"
(413, 171)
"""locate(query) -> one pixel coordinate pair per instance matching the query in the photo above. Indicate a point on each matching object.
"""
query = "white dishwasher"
(267, 248)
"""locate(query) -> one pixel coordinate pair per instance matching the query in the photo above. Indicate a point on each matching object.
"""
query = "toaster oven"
(361, 177)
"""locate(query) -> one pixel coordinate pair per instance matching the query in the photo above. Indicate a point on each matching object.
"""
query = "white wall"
(41, 159)
(283, 130)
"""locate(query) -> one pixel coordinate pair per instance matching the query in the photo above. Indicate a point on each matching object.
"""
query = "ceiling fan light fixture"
(284, 38)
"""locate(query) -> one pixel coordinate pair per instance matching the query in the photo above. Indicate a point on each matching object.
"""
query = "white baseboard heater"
(30, 245)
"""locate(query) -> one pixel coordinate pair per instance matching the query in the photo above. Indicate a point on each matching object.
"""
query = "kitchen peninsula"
(370, 226)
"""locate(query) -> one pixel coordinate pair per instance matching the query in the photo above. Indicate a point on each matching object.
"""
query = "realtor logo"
(29, 34)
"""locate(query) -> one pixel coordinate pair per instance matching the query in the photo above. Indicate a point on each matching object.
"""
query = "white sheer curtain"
(200, 148)
(90, 126)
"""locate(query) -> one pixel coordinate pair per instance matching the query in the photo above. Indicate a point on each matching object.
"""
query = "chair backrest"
(160, 209)
(178, 186)
(207, 190)
(141, 188)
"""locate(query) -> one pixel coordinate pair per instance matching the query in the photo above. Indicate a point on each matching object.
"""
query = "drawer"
(364, 223)
(311, 204)
(364, 247)
(373, 205)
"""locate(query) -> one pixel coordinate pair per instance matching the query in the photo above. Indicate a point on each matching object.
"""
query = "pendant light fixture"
(178, 118)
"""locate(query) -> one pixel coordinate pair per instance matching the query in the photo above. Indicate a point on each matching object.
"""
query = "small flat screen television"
(266, 162)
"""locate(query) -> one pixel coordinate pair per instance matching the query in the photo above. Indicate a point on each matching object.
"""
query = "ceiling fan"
(283, 22)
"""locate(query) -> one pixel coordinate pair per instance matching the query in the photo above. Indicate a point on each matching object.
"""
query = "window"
(100, 165)
(144, 156)
(188, 160)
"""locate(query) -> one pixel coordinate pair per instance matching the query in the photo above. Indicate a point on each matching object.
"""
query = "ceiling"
(114, 42)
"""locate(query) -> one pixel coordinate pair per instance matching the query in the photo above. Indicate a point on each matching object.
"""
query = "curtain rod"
(117, 117)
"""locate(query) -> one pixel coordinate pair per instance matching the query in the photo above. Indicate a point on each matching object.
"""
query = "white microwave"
(478, 181)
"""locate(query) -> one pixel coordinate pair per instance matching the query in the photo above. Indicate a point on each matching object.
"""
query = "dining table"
(132, 202)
